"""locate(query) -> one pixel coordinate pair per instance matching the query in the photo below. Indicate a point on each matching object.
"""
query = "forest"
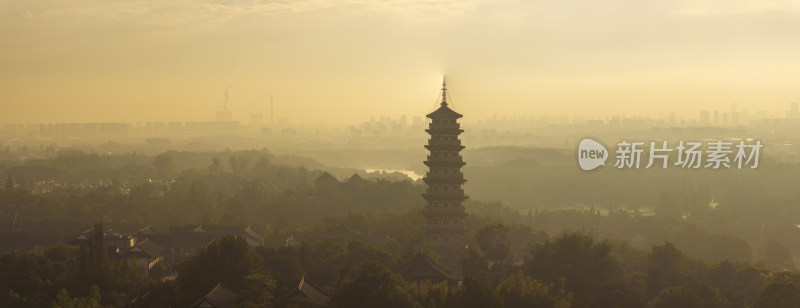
(686, 245)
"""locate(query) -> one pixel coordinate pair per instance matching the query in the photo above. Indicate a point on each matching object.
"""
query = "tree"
(782, 291)
(585, 264)
(257, 290)
(475, 266)
(739, 282)
(692, 295)
(228, 260)
(216, 166)
(493, 241)
(428, 294)
(474, 294)
(239, 164)
(64, 301)
(778, 257)
(370, 284)
(93, 263)
(163, 164)
(668, 268)
(520, 290)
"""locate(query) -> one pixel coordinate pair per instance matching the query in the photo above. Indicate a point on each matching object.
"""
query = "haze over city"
(341, 63)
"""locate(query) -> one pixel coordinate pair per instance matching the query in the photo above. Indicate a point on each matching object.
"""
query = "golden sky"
(341, 62)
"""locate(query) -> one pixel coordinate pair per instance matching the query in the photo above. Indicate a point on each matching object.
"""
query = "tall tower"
(445, 212)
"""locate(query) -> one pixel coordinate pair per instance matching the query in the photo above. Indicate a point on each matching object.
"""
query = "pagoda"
(444, 210)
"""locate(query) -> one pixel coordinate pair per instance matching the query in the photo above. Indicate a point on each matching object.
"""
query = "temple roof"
(444, 112)
(420, 267)
(146, 248)
(305, 289)
(220, 296)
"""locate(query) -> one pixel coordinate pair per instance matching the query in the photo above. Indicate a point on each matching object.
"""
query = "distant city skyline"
(710, 117)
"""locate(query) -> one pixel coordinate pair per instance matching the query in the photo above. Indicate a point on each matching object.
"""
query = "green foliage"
(738, 281)
(257, 290)
(778, 257)
(229, 261)
(692, 295)
(260, 189)
(520, 290)
(474, 294)
(585, 264)
(493, 241)
(475, 266)
(91, 301)
(428, 294)
(669, 267)
(46, 278)
(371, 284)
(782, 291)
(164, 165)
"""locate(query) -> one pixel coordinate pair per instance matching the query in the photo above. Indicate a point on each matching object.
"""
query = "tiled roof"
(305, 289)
(421, 267)
(147, 248)
(219, 297)
(444, 112)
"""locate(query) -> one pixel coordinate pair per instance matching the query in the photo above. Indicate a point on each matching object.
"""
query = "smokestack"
(271, 113)
(227, 97)
(224, 115)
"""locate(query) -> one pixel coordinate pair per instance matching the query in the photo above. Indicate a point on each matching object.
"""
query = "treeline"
(247, 188)
(75, 165)
(241, 188)
(550, 178)
(570, 270)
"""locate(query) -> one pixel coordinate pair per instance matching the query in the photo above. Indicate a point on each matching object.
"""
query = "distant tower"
(225, 115)
(271, 113)
(793, 113)
(445, 212)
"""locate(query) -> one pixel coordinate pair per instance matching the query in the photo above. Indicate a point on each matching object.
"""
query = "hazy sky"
(344, 61)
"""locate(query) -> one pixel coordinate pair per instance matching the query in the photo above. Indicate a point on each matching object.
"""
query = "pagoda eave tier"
(444, 112)
(444, 147)
(432, 214)
(444, 131)
(446, 229)
(440, 197)
(444, 163)
(433, 180)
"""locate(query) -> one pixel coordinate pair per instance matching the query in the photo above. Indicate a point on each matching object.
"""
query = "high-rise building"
(445, 212)
(705, 117)
(793, 112)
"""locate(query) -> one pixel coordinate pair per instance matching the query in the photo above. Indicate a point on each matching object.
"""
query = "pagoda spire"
(444, 92)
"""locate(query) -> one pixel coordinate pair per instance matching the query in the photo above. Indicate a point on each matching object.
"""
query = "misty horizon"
(125, 62)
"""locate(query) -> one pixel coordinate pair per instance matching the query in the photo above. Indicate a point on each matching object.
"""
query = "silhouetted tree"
(370, 284)
(778, 257)
(520, 290)
(493, 241)
(584, 263)
(782, 291)
(474, 294)
(163, 164)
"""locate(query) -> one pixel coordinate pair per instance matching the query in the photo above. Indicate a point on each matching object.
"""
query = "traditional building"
(303, 289)
(421, 267)
(445, 212)
(218, 297)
